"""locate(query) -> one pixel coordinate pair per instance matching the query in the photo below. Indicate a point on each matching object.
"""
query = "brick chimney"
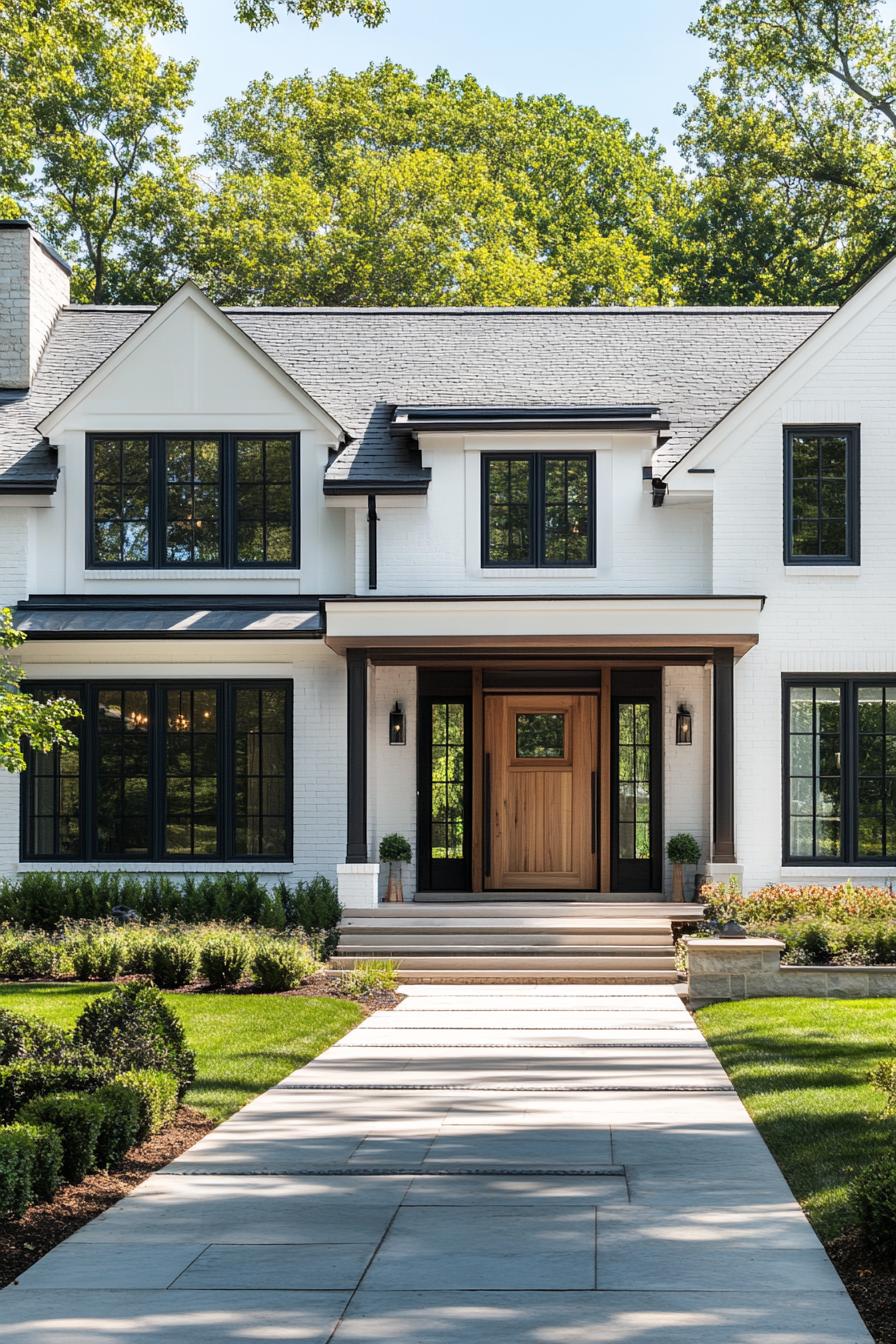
(34, 284)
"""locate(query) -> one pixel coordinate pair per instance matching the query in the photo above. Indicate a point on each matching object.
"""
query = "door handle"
(593, 811)
(487, 821)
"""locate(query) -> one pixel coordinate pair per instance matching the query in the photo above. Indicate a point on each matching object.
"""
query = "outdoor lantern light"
(683, 726)
(396, 726)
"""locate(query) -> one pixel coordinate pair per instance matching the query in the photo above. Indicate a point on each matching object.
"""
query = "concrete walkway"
(491, 1165)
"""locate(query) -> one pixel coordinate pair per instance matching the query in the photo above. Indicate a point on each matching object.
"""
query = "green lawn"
(244, 1042)
(801, 1067)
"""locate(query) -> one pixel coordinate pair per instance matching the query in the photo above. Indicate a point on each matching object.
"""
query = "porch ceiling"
(630, 625)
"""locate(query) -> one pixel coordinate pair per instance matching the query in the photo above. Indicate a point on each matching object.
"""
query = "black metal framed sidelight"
(192, 500)
(445, 779)
(636, 784)
(165, 770)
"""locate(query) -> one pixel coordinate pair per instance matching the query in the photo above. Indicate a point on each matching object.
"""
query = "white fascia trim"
(833, 334)
(188, 293)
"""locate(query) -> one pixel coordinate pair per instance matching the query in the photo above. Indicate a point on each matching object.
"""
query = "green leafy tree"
(380, 189)
(262, 13)
(43, 724)
(792, 144)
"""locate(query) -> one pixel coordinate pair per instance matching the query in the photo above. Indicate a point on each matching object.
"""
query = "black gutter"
(24, 487)
(376, 486)
(550, 597)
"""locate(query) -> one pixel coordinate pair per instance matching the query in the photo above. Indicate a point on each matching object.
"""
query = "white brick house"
(469, 575)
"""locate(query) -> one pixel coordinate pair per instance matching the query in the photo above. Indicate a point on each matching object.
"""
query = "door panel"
(541, 755)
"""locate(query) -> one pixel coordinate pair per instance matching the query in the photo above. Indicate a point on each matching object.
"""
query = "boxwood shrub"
(280, 964)
(46, 1170)
(16, 1169)
(224, 958)
(134, 1028)
(157, 1094)
(874, 1201)
(77, 1119)
(122, 1118)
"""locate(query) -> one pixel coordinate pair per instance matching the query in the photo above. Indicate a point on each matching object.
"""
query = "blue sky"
(629, 58)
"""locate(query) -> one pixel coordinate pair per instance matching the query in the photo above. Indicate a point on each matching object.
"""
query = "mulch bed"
(24, 1240)
(871, 1286)
(323, 984)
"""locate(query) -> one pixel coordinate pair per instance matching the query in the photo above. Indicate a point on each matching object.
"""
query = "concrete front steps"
(527, 942)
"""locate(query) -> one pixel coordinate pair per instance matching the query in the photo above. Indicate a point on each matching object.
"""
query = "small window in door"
(540, 736)
(634, 781)
(448, 759)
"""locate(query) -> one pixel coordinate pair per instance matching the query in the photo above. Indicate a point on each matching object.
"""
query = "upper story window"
(218, 500)
(537, 510)
(821, 503)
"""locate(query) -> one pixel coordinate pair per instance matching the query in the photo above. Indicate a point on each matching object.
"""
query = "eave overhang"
(169, 617)
(378, 485)
(564, 623)
(411, 421)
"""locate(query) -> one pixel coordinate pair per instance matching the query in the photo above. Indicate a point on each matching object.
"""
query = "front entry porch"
(523, 767)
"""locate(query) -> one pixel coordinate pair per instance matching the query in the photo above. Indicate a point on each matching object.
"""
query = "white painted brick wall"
(33, 287)
(392, 771)
(811, 623)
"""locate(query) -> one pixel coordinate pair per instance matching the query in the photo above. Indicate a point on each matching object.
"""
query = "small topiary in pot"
(681, 849)
(395, 850)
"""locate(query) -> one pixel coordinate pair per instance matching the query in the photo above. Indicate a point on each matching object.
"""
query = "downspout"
(371, 541)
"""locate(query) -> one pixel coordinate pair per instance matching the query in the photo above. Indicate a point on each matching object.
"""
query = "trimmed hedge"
(122, 1118)
(134, 1028)
(78, 1120)
(156, 1092)
(16, 1167)
(46, 1173)
(27, 1078)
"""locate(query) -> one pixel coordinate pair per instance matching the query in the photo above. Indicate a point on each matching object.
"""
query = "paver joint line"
(421, 1169)
(498, 1087)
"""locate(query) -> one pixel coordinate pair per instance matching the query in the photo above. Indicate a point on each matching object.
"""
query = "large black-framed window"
(821, 495)
(159, 501)
(165, 770)
(538, 510)
(839, 769)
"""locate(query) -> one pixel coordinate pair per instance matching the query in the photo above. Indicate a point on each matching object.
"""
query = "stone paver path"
(491, 1165)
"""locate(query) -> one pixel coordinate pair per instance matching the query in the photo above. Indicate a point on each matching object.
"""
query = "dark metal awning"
(182, 618)
(414, 420)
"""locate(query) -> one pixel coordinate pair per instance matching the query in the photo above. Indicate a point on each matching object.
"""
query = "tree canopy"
(43, 724)
(381, 188)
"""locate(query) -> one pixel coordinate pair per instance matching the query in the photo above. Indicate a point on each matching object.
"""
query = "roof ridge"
(609, 310)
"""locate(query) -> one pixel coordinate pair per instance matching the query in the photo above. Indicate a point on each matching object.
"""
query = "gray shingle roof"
(694, 363)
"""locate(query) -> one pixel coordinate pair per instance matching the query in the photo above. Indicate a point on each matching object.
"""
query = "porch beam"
(356, 739)
(723, 756)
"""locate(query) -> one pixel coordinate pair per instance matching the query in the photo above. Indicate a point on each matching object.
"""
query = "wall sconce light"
(396, 726)
(683, 735)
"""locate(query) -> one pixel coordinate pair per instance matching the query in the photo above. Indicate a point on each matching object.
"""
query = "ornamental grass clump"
(369, 976)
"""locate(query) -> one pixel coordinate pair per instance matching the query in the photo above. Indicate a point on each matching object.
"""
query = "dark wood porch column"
(723, 756)
(356, 828)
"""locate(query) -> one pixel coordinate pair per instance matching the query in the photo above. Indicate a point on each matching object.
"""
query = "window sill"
(823, 571)
(209, 866)
(189, 575)
(840, 870)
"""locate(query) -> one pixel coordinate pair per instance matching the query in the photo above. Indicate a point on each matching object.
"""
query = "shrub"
(34, 956)
(46, 1169)
(778, 903)
(224, 958)
(16, 1169)
(157, 1094)
(314, 908)
(281, 963)
(78, 1119)
(27, 1078)
(173, 960)
(682, 848)
(96, 956)
(874, 1200)
(372, 975)
(135, 1029)
(883, 1077)
(122, 1119)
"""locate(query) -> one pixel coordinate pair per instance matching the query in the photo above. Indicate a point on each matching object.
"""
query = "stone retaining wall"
(750, 968)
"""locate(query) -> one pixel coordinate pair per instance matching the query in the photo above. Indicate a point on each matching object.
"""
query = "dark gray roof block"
(695, 364)
(192, 619)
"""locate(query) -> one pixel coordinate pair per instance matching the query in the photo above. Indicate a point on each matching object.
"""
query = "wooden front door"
(540, 780)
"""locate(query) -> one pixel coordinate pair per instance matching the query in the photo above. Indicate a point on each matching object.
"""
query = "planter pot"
(394, 891)
(678, 882)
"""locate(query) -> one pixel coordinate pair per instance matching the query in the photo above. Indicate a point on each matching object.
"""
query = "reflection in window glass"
(193, 501)
(447, 820)
(264, 486)
(121, 496)
(819, 505)
(53, 779)
(122, 772)
(261, 805)
(191, 771)
(814, 769)
(540, 735)
(633, 784)
(567, 511)
(509, 511)
(876, 761)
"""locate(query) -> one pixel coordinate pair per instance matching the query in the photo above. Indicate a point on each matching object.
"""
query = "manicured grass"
(801, 1067)
(244, 1043)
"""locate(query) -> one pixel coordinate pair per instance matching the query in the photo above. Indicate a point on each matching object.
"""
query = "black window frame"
(536, 461)
(226, 690)
(852, 435)
(228, 557)
(849, 685)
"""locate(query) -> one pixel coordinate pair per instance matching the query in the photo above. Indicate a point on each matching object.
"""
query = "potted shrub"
(681, 849)
(394, 850)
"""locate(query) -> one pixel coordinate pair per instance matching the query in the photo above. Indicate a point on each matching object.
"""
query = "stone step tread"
(515, 963)
(546, 977)
(358, 948)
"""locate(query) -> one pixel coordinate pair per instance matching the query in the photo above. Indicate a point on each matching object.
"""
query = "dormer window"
(538, 510)
(199, 500)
